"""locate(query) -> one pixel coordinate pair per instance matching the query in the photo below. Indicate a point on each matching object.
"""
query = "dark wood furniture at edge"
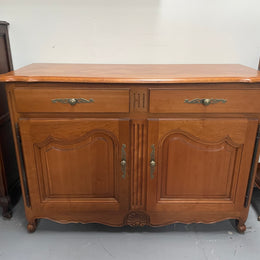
(135, 144)
(256, 193)
(257, 182)
(9, 178)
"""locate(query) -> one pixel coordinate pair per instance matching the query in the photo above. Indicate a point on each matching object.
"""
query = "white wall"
(133, 31)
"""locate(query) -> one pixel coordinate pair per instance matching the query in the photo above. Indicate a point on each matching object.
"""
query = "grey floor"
(93, 241)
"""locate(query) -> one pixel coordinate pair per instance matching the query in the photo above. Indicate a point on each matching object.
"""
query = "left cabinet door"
(77, 168)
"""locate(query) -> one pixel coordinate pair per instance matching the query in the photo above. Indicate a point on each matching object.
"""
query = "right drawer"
(201, 101)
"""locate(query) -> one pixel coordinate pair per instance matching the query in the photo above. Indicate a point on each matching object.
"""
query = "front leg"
(7, 212)
(240, 225)
(256, 201)
(32, 225)
(5, 203)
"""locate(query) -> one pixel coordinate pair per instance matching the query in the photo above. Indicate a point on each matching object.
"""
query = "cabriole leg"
(5, 203)
(32, 225)
(256, 202)
(240, 225)
(7, 213)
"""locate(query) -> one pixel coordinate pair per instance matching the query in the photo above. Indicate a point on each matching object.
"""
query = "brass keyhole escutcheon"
(123, 162)
(152, 163)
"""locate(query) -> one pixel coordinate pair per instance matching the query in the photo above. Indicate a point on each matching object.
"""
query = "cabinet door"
(74, 170)
(200, 168)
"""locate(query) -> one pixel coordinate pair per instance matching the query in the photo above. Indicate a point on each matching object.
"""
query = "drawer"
(71, 100)
(201, 101)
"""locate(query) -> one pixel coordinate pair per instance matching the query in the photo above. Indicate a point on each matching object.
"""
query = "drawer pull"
(205, 101)
(152, 161)
(72, 101)
(123, 161)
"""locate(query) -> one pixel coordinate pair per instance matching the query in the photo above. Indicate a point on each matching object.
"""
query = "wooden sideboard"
(135, 144)
(9, 178)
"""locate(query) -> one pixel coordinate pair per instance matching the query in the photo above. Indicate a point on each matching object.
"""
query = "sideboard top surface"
(133, 73)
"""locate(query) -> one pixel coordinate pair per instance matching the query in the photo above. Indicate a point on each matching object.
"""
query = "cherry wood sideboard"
(135, 144)
(9, 177)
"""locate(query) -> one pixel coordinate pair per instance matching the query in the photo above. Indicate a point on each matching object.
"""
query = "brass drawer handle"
(123, 161)
(72, 101)
(152, 161)
(205, 101)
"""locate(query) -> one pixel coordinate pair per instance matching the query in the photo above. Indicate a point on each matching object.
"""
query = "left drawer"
(31, 99)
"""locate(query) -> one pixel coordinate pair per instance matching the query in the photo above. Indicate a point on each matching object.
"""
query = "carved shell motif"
(137, 219)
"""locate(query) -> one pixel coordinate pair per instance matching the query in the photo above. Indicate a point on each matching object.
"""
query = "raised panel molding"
(183, 177)
(96, 186)
(138, 163)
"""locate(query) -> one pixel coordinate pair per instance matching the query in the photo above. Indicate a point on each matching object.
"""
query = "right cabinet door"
(198, 168)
